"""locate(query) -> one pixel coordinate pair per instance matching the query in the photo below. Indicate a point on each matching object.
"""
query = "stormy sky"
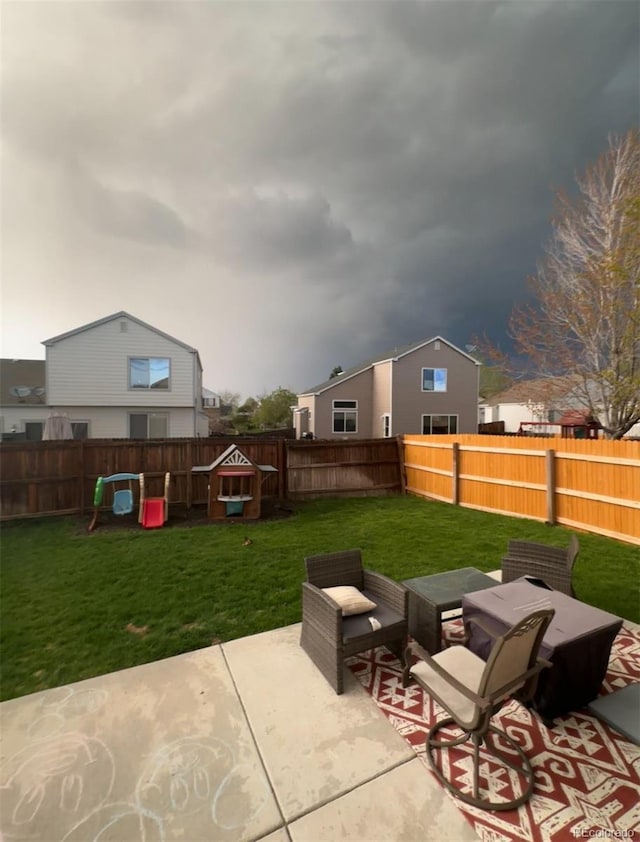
(291, 186)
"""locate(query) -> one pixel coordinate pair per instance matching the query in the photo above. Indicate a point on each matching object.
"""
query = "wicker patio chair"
(553, 565)
(471, 692)
(328, 637)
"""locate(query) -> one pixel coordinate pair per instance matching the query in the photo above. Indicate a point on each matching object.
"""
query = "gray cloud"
(336, 178)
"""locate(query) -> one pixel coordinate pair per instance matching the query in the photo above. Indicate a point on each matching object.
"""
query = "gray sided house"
(428, 387)
(123, 378)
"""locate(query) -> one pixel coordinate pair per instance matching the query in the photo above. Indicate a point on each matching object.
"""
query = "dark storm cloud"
(349, 176)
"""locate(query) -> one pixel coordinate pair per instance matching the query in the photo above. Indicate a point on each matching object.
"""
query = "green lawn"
(75, 605)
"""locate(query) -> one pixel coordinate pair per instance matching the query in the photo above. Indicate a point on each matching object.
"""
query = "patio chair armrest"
(322, 612)
(387, 590)
(476, 621)
(415, 649)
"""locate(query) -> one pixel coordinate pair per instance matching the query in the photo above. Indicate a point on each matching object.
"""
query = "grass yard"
(75, 605)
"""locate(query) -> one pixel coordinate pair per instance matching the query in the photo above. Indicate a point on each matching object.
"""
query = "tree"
(335, 371)
(493, 376)
(228, 398)
(274, 410)
(584, 319)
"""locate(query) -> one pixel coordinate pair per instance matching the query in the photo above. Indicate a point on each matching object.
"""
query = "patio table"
(578, 641)
(430, 596)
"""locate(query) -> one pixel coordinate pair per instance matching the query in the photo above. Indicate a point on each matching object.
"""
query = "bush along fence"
(589, 485)
(40, 479)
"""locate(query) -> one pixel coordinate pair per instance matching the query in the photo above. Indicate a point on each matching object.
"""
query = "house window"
(386, 425)
(148, 425)
(345, 416)
(433, 425)
(149, 373)
(434, 379)
(80, 429)
(33, 430)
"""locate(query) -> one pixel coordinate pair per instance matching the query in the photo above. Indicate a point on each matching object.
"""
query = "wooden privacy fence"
(348, 468)
(58, 477)
(590, 485)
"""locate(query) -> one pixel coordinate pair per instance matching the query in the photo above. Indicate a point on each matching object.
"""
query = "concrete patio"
(240, 741)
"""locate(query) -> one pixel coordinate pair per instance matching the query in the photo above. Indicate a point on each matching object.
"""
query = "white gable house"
(126, 379)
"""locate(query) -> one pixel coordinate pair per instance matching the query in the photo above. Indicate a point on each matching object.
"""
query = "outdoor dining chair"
(472, 692)
(372, 611)
(554, 565)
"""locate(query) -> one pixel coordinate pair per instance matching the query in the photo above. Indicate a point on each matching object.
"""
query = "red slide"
(153, 512)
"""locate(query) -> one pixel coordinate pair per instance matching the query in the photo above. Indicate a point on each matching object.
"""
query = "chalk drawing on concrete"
(199, 775)
(118, 821)
(65, 705)
(65, 776)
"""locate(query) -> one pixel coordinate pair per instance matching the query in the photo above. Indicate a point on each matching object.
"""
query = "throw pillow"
(350, 600)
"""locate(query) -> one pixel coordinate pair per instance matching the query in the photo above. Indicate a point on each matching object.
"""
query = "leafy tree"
(228, 398)
(584, 318)
(335, 371)
(274, 410)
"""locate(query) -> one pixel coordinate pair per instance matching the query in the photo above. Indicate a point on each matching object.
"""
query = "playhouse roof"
(231, 456)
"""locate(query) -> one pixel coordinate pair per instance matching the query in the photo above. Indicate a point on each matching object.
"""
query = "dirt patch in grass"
(139, 630)
(182, 518)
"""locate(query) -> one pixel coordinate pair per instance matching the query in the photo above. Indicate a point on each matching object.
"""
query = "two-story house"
(428, 387)
(23, 409)
(123, 378)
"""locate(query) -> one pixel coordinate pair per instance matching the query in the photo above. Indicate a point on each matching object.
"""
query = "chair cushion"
(359, 625)
(351, 600)
(466, 667)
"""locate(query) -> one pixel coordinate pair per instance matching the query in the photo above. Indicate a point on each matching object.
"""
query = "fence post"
(455, 469)
(403, 477)
(81, 478)
(283, 453)
(188, 488)
(550, 464)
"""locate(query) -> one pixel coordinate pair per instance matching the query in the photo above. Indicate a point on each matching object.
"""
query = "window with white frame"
(434, 379)
(386, 425)
(345, 416)
(149, 373)
(433, 425)
(148, 425)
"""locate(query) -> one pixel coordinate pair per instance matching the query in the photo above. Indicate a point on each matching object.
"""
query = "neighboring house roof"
(22, 382)
(542, 390)
(395, 354)
(121, 315)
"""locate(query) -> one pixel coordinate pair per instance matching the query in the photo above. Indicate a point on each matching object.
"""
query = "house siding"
(91, 368)
(381, 404)
(112, 422)
(410, 403)
(358, 388)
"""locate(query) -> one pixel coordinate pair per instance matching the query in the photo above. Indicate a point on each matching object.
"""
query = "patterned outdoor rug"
(587, 775)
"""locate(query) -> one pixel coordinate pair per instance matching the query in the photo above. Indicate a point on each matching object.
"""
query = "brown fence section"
(590, 485)
(55, 478)
(59, 477)
(347, 468)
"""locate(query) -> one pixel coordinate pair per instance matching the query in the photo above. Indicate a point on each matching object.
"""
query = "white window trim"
(147, 388)
(386, 425)
(434, 391)
(343, 410)
(448, 415)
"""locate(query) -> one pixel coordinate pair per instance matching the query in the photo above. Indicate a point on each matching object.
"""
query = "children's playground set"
(152, 511)
(234, 491)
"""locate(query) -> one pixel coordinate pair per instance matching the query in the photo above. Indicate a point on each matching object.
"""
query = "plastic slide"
(153, 512)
